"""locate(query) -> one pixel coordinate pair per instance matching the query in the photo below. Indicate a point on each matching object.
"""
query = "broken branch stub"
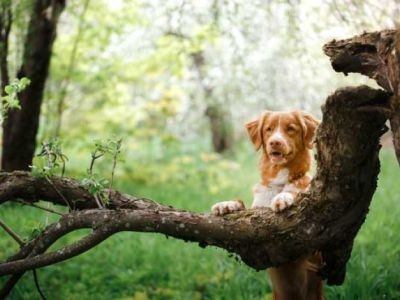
(376, 55)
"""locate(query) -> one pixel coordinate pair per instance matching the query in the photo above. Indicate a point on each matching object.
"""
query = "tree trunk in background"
(220, 120)
(5, 28)
(326, 218)
(221, 128)
(220, 123)
(21, 126)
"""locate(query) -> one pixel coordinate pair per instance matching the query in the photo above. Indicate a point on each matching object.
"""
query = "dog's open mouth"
(276, 155)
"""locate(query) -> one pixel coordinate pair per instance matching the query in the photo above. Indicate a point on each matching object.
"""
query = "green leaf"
(24, 82)
(9, 89)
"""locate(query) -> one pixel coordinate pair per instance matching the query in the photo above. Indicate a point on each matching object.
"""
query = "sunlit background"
(154, 68)
(177, 80)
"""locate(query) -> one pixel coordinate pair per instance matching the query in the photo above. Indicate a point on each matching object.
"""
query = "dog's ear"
(254, 129)
(309, 124)
(254, 133)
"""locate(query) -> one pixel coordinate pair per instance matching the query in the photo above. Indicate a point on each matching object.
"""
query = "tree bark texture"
(21, 126)
(5, 28)
(326, 219)
(376, 55)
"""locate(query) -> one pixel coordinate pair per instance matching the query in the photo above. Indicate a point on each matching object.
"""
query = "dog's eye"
(269, 129)
(291, 129)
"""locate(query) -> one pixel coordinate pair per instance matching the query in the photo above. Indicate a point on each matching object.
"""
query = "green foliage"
(10, 100)
(97, 186)
(35, 232)
(104, 79)
(211, 171)
(50, 160)
(133, 76)
(139, 266)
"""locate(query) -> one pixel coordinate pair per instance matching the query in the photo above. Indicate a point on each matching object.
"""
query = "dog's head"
(283, 134)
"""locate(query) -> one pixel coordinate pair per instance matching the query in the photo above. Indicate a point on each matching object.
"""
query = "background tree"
(131, 79)
(21, 126)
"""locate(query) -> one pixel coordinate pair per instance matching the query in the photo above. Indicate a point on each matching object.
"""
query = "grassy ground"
(148, 266)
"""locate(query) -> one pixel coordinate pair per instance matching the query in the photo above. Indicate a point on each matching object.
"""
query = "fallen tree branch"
(326, 219)
(41, 260)
(14, 185)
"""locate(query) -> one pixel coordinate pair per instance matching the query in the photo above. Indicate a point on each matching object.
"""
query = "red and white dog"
(285, 139)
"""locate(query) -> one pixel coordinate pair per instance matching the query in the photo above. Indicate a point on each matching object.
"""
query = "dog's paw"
(282, 201)
(227, 207)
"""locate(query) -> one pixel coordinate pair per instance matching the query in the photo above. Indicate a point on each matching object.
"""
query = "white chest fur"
(263, 195)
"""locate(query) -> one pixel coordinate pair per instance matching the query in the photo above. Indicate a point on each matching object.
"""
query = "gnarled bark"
(376, 55)
(5, 28)
(326, 219)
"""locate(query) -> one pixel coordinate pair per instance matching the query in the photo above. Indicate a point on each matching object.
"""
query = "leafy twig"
(52, 153)
(116, 152)
(54, 156)
(95, 186)
(10, 100)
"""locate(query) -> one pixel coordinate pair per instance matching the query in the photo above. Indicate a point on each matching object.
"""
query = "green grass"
(150, 266)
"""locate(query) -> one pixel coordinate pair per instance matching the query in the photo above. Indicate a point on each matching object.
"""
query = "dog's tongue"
(276, 156)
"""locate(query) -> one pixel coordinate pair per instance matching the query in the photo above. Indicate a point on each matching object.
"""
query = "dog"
(285, 139)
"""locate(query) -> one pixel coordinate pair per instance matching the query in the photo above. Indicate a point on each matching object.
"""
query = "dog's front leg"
(287, 197)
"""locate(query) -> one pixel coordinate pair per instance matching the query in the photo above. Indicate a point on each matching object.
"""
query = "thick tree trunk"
(5, 28)
(220, 124)
(21, 126)
(376, 55)
(221, 128)
(327, 218)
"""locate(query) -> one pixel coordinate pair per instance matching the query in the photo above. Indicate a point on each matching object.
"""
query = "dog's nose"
(275, 143)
